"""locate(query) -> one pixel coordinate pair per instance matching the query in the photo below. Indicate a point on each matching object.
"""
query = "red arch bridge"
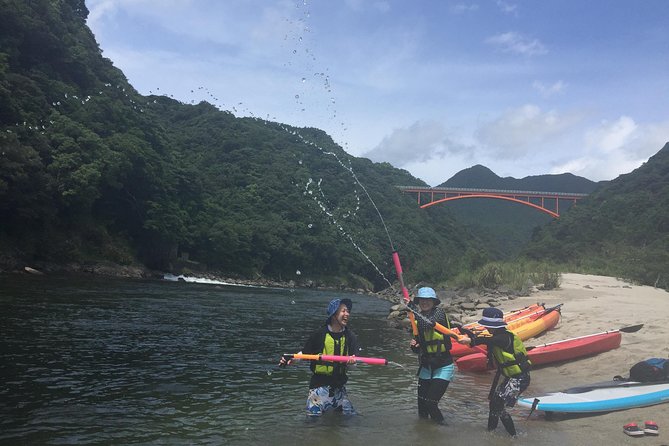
(548, 202)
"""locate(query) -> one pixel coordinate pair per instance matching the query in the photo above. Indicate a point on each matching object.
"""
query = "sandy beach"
(593, 304)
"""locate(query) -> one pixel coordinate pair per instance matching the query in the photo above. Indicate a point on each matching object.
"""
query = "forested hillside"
(505, 226)
(91, 170)
(621, 229)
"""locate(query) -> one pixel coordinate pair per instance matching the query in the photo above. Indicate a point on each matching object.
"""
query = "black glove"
(470, 334)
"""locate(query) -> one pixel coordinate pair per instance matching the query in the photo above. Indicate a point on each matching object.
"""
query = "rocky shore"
(461, 305)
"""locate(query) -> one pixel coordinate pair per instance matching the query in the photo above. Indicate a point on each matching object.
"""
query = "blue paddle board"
(601, 397)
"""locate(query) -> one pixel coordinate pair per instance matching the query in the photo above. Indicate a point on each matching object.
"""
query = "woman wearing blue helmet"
(327, 386)
(433, 348)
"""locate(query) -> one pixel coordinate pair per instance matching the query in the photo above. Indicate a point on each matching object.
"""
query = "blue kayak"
(601, 397)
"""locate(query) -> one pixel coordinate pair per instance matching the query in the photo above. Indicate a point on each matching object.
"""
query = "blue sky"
(430, 86)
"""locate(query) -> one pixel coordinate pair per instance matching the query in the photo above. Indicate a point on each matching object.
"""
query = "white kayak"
(601, 397)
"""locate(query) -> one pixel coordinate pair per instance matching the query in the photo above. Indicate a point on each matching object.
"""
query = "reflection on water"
(154, 362)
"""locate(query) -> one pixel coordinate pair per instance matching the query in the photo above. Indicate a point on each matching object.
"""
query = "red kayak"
(565, 350)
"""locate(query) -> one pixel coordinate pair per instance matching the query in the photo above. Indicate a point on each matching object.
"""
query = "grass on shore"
(519, 275)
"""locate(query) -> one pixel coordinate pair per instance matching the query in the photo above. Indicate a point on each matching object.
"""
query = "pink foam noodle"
(398, 270)
(405, 292)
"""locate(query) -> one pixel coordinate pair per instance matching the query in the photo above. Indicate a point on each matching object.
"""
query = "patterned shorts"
(511, 388)
(320, 400)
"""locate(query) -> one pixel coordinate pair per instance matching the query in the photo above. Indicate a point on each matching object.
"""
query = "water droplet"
(304, 79)
(297, 96)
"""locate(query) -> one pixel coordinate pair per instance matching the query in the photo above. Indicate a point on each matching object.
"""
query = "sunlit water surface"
(155, 362)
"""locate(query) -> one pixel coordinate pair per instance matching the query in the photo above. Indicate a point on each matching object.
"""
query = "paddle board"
(601, 397)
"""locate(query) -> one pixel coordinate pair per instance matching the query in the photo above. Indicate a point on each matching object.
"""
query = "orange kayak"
(510, 316)
(527, 326)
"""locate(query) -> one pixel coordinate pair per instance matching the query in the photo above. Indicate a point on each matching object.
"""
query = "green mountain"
(91, 170)
(621, 229)
(505, 226)
(480, 176)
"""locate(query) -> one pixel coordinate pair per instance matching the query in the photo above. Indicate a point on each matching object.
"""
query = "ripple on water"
(161, 363)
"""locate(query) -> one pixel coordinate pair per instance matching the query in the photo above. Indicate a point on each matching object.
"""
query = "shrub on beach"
(517, 275)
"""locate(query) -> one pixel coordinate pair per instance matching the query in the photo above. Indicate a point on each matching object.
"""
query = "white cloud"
(615, 147)
(549, 90)
(509, 8)
(462, 8)
(420, 142)
(611, 136)
(512, 42)
(520, 131)
(382, 6)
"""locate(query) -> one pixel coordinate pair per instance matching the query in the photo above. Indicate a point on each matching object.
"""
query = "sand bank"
(593, 304)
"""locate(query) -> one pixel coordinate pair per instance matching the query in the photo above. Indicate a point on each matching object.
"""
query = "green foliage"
(620, 230)
(549, 279)
(88, 164)
(490, 276)
(517, 275)
(90, 169)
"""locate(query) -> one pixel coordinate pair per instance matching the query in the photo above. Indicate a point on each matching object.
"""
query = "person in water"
(327, 386)
(433, 348)
(509, 354)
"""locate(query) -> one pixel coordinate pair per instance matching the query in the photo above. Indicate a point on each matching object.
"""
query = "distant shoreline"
(112, 270)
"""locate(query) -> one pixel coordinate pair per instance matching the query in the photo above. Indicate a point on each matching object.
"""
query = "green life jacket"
(332, 346)
(435, 347)
(512, 364)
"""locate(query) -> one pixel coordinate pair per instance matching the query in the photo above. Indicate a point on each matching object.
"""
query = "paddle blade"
(631, 329)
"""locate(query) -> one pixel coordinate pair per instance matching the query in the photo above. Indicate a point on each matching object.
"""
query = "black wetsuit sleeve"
(314, 343)
(440, 316)
(354, 347)
(504, 341)
(415, 348)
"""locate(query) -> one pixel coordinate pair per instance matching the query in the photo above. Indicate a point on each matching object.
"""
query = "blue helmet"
(334, 304)
(427, 293)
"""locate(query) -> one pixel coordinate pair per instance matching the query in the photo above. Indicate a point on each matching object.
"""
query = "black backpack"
(650, 370)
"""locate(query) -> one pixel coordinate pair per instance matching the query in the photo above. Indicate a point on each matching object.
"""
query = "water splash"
(397, 364)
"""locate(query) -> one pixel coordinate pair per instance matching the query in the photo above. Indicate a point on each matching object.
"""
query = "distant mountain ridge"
(505, 226)
(479, 176)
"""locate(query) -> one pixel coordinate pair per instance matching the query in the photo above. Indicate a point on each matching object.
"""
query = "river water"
(93, 361)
